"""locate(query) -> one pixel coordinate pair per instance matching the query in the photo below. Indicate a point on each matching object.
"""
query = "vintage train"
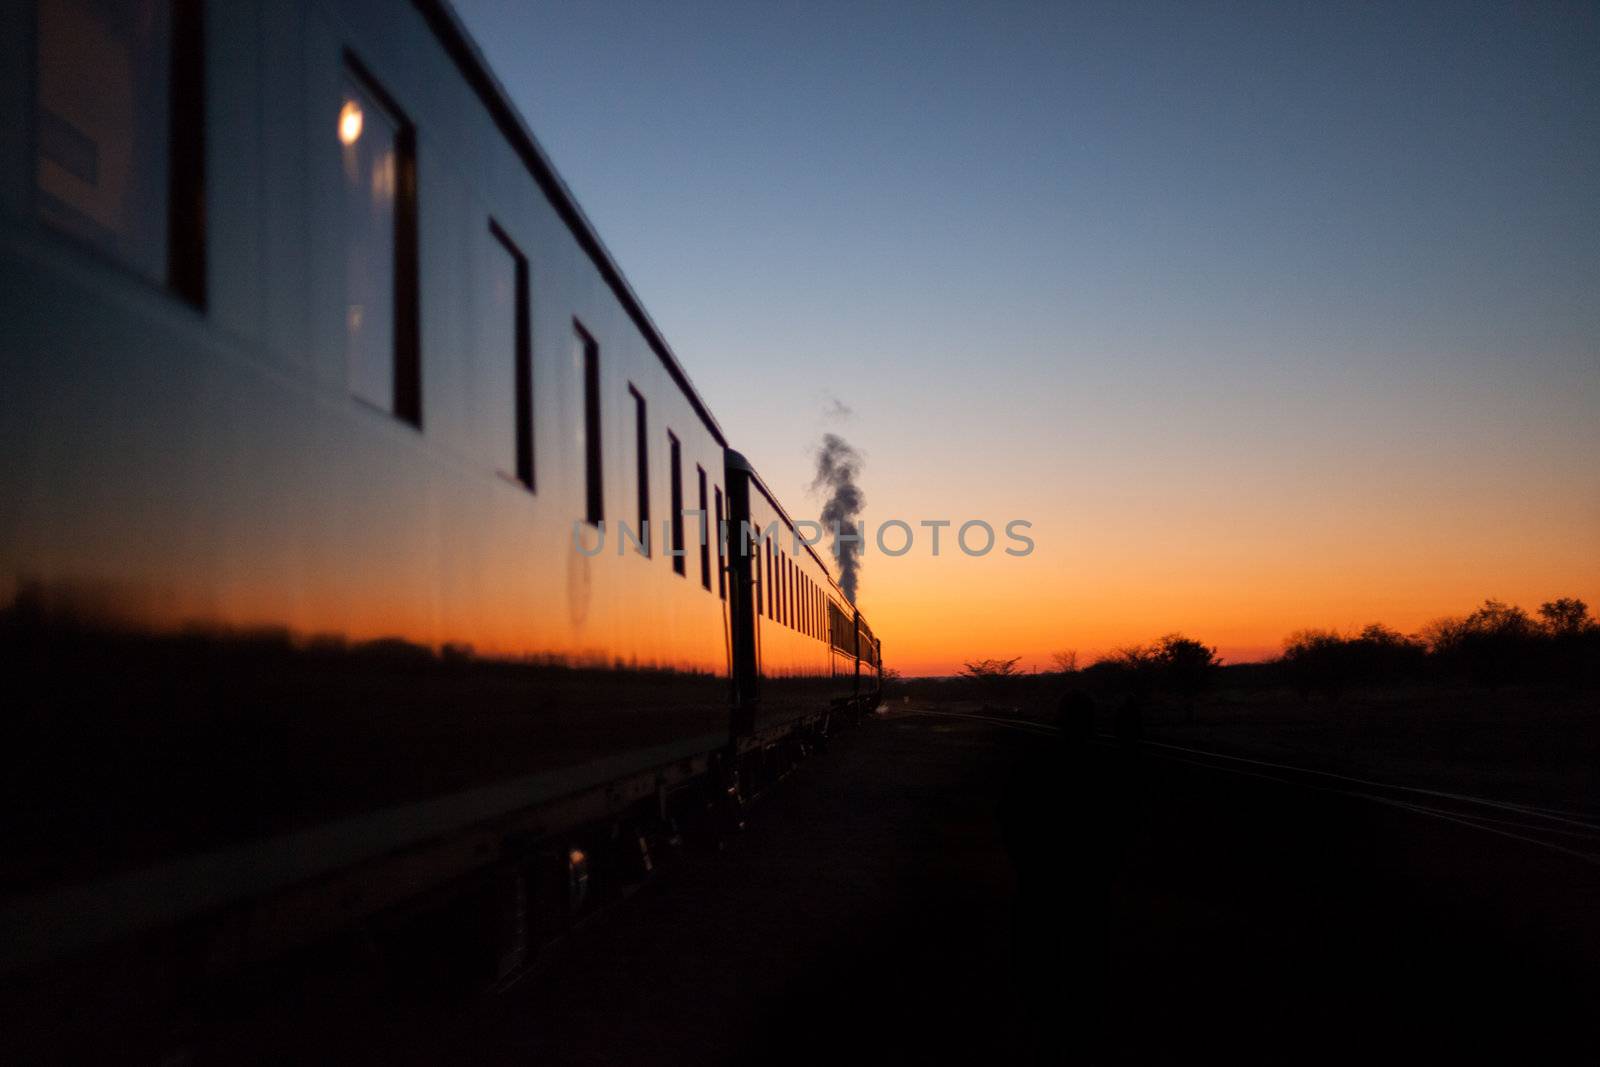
(316, 378)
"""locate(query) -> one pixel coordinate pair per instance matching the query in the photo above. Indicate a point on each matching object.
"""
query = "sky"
(1264, 316)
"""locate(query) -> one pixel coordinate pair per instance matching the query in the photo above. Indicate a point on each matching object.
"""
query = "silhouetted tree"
(1133, 657)
(992, 679)
(1565, 616)
(1315, 662)
(1442, 635)
(1065, 661)
(991, 668)
(1574, 640)
(1499, 619)
(1187, 668)
(1493, 645)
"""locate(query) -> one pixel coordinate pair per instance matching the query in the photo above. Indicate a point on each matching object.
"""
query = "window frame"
(184, 273)
(680, 564)
(523, 356)
(705, 532)
(641, 462)
(758, 584)
(722, 564)
(593, 451)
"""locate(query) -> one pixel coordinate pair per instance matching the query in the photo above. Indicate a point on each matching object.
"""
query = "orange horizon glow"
(1240, 587)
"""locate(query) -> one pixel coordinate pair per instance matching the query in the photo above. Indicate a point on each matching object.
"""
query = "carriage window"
(704, 534)
(594, 488)
(642, 466)
(755, 569)
(716, 532)
(118, 125)
(675, 452)
(506, 388)
(778, 584)
(768, 584)
(380, 253)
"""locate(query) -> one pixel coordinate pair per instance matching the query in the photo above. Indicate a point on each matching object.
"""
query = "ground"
(873, 912)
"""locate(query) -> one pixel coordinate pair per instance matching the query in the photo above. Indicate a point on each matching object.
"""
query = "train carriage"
(801, 669)
(354, 507)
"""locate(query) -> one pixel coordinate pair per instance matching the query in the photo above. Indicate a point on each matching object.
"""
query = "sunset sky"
(1265, 317)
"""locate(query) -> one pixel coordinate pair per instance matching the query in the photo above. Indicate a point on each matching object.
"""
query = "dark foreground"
(925, 891)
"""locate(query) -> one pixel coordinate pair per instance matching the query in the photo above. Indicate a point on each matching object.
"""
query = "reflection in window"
(379, 234)
(370, 141)
(494, 386)
(110, 168)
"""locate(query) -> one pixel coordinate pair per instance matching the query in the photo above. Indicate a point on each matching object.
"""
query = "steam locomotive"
(319, 388)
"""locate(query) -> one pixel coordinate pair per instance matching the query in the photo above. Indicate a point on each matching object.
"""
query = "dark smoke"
(837, 468)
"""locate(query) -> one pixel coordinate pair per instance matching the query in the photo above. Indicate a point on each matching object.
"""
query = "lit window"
(381, 358)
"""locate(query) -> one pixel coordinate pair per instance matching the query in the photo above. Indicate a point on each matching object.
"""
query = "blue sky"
(1241, 260)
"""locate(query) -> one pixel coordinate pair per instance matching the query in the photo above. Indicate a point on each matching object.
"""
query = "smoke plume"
(838, 465)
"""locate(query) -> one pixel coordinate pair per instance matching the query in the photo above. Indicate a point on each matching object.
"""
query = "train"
(319, 391)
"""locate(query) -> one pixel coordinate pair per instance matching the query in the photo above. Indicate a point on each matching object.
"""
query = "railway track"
(1572, 833)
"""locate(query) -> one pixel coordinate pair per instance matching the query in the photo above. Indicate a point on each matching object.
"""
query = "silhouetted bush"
(1495, 645)
(993, 680)
(1327, 662)
(1187, 667)
(1574, 641)
(1129, 672)
(1177, 665)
